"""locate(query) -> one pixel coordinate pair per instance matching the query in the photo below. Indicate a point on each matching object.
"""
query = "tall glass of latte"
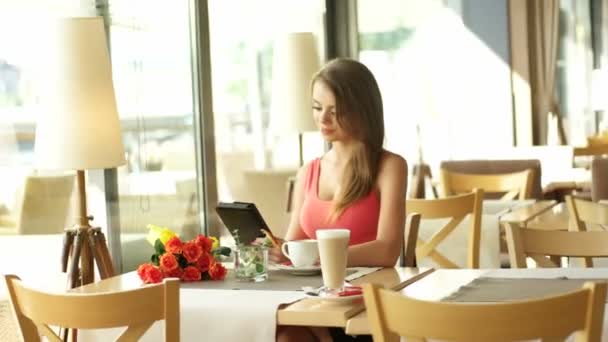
(333, 253)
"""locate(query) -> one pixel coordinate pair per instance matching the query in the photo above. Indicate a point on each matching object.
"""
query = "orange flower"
(205, 242)
(149, 273)
(168, 262)
(217, 271)
(176, 273)
(192, 251)
(204, 261)
(154, 275)
(173, 245)
(141, 270)
(191, 273)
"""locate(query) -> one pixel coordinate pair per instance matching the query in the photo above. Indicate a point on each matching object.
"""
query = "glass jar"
(251, 263)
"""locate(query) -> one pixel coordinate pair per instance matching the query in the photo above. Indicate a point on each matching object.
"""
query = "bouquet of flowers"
(192, 260)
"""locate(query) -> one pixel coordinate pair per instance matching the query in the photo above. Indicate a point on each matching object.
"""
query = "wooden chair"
(537, 244)
(599, 182)
(410, 237)
(136, 309)
(514, 185)
(392, 315)
(42, 206)
(456, 208)
(585, 215)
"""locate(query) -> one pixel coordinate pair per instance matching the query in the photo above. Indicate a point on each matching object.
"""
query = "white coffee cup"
(333, 250)
(302, 253)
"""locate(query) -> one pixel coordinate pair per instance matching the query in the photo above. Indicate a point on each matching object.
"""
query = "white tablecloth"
(217, 315)
(443, 282)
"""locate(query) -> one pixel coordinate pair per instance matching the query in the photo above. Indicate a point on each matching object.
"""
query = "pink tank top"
(361, 217)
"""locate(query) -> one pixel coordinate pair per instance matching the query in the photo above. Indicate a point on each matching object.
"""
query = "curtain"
(543, 19)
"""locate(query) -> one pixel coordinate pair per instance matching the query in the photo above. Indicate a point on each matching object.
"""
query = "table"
(309, 311)
(444, 282)
(312, 312)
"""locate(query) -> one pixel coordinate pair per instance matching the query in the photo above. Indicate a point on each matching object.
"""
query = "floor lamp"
(78, 129)
(294, 63)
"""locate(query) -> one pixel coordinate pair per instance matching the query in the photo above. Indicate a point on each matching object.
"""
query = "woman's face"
(324, 112)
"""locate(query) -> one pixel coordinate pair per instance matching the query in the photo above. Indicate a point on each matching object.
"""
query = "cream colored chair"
(43, 205)
(538, 244)
(586, 215)
(581, 312)
(410, 238)
(137, 309)
(456, 208)
(515, 185)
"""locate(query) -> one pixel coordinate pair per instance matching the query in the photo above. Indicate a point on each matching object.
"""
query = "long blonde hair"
(359, 112)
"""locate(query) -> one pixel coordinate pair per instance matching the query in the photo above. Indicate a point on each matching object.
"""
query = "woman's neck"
(341, 152)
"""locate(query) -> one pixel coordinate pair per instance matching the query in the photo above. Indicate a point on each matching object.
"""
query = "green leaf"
(259, 268)
(155, 259)
(223, 250)
(159, 247)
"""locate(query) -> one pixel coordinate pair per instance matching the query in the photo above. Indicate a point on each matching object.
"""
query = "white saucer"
(310, 270)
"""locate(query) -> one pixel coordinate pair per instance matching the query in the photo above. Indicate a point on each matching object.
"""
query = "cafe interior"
(149, 152)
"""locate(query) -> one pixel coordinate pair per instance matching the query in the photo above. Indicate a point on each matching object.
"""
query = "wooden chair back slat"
(454, 208)
(515, 185)
(392, 315)
(524, 242)
(408, 251)
(137, 309)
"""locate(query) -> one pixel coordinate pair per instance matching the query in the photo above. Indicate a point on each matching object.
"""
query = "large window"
(253, 162)
(573, 74)
(442, 67)
(35, 205)
(150, 44)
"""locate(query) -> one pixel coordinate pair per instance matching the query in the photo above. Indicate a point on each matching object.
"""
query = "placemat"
(486, 289)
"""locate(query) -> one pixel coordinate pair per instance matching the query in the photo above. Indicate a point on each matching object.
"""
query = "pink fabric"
(361, 217)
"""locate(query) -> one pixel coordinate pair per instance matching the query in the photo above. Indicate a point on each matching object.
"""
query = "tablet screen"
(242, 218)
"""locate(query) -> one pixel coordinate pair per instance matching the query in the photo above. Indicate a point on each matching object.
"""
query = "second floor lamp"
(294, 63)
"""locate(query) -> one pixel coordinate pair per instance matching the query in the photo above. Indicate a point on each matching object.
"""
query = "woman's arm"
(392, 185)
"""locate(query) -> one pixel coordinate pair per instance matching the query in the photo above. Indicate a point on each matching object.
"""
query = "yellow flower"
(216, 243)
(162, 233)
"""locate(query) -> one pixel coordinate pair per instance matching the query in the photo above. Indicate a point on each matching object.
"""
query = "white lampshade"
(78, 126)
(294, 63)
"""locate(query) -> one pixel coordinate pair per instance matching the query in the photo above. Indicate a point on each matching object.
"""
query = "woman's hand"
(275, 254)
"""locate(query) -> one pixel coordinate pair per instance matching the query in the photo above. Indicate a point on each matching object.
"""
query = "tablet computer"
(243, 217)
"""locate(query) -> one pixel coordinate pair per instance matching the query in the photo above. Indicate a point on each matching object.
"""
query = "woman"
(357, 184)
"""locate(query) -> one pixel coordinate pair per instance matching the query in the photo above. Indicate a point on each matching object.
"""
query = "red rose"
(217, 271)
(154, 275)
(204, 261)
(149, 273)
(174, 245)
(191, 273)
(168, 262)
(192, 251)
(141, 270)
(176, 273)
(205, 242)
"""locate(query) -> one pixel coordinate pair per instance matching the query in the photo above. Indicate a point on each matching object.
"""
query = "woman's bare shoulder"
(391, 162)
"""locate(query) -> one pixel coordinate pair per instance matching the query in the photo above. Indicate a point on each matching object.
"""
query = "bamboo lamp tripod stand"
(84, 244)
